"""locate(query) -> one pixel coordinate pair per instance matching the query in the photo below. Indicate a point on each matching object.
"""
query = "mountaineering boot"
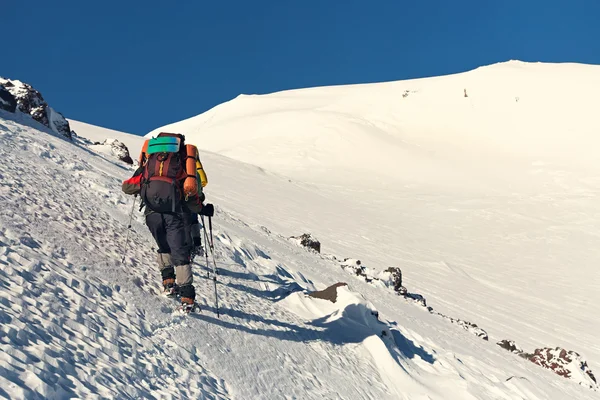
(185, 287)
(169, 288)
(188, 305)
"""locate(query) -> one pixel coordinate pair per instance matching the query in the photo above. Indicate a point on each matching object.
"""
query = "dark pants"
(170, 235)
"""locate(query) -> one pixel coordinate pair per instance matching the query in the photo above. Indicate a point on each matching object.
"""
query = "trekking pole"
(128, 230)
(212, 250)
(212, 243)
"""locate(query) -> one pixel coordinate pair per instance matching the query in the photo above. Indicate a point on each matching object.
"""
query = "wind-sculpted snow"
(568, 364)
(67, 328)
(76, 323)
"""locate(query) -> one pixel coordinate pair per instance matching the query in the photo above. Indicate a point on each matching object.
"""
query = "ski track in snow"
(77, 323)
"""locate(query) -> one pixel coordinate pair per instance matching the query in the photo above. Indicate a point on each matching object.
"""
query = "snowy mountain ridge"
(16, 95)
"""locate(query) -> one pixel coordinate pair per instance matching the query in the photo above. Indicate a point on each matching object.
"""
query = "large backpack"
(163, 173)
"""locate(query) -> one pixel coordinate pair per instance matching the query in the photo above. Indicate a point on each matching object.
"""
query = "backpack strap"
(143, 154)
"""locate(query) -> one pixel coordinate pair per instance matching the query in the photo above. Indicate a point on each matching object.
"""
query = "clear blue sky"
(135, 65)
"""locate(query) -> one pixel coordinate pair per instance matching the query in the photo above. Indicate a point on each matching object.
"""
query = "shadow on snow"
(353, 326)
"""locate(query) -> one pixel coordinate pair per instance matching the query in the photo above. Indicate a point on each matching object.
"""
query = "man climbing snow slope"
(168, 182)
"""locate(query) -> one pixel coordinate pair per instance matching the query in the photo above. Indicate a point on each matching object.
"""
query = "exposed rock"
(568, 364)
(30, 101)
(418, 298)
(330, 257)
(396, 279)
(473, 328)
(7, 100)
(58, 123)
(329, 294)
(466, 325)
(510, 346)
(119, 150)
(308, 241)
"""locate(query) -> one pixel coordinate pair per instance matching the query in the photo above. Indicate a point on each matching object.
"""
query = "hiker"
(190, 218)
(167, 181)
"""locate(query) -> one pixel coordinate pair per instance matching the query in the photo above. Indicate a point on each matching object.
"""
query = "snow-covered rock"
(115, 148)
(30, 101)
(97, 134)
(355, 267)
(510, 345)
(466, 325)
(308, 241)
(392, 277)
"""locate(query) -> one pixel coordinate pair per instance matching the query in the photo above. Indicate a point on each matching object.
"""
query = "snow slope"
(418, 132)
(488, 203)
(78, 323)
(98, 134)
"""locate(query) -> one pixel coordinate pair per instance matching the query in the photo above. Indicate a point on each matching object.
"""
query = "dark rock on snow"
(308, 241)
(7, 100)
(396, 276)
(329, 294)
(510, 346)
(355, 266)
(119, 150)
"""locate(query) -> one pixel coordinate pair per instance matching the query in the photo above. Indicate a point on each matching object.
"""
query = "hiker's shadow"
(353, 324)
(272, 328)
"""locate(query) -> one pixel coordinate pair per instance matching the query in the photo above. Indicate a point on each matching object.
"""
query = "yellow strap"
(200, 169)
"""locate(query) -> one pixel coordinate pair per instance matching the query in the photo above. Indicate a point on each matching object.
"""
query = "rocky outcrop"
(466, 325)
(117, 149)
(355, 266)
(396, 279)
(308, 241)
(568, 364)
(510, 346)
(565, 363)
(30, 101)
(7, 100)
